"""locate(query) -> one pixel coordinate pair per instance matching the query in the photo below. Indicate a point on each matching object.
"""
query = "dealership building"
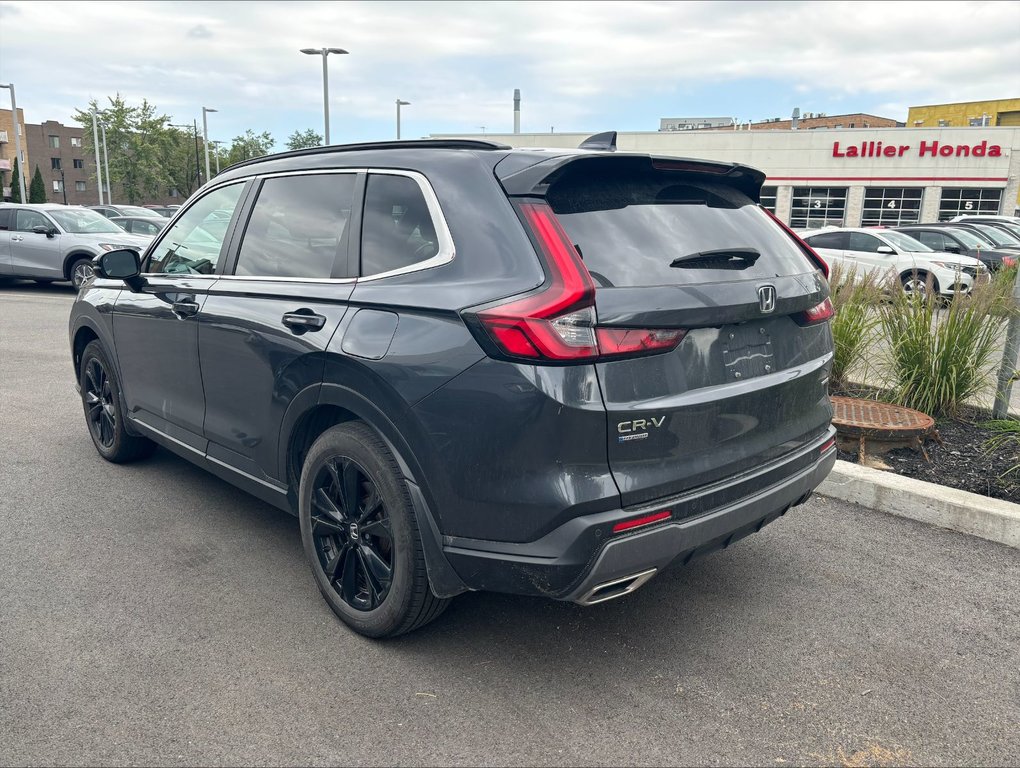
(847, 177)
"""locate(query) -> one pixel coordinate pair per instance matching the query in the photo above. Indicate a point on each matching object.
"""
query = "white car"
(888, 253)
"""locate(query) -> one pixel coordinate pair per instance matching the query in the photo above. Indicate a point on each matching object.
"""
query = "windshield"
(969, 239)
(84, 222)
(906, 242)
(997, 236)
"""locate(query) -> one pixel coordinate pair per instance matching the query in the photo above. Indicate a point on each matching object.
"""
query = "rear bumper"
(581, 560)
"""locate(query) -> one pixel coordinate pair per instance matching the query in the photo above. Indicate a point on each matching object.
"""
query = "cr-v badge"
(638, 428)
(767, 298)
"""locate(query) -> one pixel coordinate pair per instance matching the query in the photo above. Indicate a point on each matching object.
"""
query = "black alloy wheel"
(100, 409)
(100, 397)
(351, 533)
(360, 533)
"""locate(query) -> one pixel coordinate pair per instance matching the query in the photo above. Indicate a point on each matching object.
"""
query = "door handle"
(184, 308)
(304, 320)
(17, 238)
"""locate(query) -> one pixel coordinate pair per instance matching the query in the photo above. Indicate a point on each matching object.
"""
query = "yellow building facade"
(964, 114)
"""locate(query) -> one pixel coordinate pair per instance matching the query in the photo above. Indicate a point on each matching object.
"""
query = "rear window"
(660, 228)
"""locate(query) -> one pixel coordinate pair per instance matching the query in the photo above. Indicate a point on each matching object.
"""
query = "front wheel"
(100, 397)
(81, 270)
(360, 534)
(921, 284)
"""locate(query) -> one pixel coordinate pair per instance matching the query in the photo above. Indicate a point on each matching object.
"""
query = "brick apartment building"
(57, 150)
(8, 150)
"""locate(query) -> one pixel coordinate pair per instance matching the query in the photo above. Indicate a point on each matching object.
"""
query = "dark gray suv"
(469, 367)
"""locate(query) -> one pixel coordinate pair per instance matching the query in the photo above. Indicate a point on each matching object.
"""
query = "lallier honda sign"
(923, 149)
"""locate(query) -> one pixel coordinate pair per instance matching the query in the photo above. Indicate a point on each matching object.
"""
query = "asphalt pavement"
(152, 614)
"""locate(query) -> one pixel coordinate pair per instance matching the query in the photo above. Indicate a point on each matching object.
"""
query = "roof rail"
(406, 144)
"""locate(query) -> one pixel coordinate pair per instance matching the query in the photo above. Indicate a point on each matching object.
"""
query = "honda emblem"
(767, 299)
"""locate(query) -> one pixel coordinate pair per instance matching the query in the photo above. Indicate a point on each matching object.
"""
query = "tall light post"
(99, 163)
(399, 105)
(205, 139)
(324, 52)
(216, 149)
(106, 164)
(17, 142)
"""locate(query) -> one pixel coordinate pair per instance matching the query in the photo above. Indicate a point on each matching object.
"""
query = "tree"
(16, 184)
(250, 145)
(37, 189)
(140, 144)
(304, 139)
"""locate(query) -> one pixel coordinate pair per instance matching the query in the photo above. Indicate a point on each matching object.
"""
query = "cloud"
(578, 65)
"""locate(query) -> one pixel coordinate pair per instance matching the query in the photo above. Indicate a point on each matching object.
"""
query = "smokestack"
(794, 118)
(517, 110)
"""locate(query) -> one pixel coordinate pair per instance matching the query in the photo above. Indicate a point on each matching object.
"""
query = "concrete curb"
(991, 519)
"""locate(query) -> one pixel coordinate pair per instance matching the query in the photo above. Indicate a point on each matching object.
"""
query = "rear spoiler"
(524, 174)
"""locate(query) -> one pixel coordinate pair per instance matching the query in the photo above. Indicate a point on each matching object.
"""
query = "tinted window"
(192, 245)
(5, 220)
(836, 240)
(644, 229)
(862, 242)
(25, 220)
(932, 239)
(398, 230)
(298, 227)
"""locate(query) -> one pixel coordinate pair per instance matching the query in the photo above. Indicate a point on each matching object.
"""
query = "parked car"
(166, 211)
(51, 242)
(993, 236)
(109, 211)
(960, 241)
(886, 252)
(470, 367)
(1009, 223)
(147, 226)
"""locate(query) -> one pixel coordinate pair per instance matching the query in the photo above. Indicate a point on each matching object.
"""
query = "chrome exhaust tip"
(610, 590)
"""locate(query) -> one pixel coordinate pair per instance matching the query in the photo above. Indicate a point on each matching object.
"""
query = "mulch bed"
(960, 461)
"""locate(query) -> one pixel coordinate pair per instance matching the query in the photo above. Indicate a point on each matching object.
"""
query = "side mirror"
(123, 265)
(39, 229)
(952, 248)
(885, 249)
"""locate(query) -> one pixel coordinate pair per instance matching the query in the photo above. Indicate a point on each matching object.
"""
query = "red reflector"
(827, 445)
(817, 314)
(631, 342)
(637, 522)
(1008, 262)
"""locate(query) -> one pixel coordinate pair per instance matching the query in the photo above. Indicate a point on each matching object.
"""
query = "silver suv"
(57, 242)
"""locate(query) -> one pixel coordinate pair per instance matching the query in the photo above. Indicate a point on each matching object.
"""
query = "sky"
(581, 66)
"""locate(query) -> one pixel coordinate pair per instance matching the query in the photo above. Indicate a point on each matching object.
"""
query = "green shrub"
(1007, 438)
(855, 300)
(939, 357)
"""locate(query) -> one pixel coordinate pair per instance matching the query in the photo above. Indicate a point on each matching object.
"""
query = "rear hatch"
(680, 251)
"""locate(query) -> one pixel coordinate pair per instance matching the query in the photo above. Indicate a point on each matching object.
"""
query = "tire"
(368, 563)
(81, 270)
(104, 411)
(921, 283)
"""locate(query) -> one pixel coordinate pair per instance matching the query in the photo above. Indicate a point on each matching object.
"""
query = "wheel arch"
(72, 257)
(319, 408)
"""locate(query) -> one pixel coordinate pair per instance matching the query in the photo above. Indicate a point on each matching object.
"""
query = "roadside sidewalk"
(969, 513)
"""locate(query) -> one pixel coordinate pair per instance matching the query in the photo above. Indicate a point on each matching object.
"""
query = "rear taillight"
(807, 249)
(558, 323)
(817, 314)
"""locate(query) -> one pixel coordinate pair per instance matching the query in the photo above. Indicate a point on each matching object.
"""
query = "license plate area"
(746, 351)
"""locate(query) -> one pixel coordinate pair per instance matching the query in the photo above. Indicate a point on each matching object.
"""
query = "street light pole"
(99, 163)
(216, 149)
(17, 142)
(324, 52)
(106, 164)
(205, 139)
(399, 105)
(198, 168)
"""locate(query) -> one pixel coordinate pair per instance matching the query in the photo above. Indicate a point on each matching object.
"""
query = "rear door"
(831, 246)
(678, 250)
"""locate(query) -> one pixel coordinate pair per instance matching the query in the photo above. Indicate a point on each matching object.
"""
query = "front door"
(157, 327)
(34, 254)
